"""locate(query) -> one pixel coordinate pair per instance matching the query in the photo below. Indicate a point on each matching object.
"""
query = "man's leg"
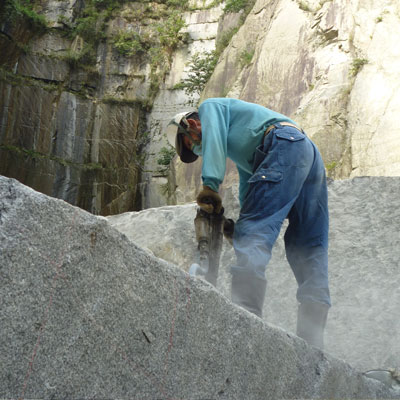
(274, 187)
(306, 242)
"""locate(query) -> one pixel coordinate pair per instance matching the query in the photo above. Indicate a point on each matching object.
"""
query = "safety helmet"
(176, 130)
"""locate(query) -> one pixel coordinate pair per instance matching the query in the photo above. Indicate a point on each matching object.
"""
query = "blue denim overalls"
(288, 181)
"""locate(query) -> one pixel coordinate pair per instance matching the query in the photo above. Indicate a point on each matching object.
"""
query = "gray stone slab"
(85, 313)
(364, 253)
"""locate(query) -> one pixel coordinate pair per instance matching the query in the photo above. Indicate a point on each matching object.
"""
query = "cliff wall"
(332, 67)
(87, 88)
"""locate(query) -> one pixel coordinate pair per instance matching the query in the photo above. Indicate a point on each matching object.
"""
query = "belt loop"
(268, 130)
(284, 123)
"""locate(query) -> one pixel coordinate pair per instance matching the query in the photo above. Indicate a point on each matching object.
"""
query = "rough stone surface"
(332, 67)
(71, 103)
(71, 148)
(88, 314)
(58, 133)
(364, 254)
(202, 28)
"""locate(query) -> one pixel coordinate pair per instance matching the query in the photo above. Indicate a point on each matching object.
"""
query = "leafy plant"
(242, 6)
(90, 25)
(246, 57)
(200, 70)
(23, 9)
(119, 101)
(169, 34)
(166, 155)
(183, 4)
(166, 39)
(235, 5)
(331, 166)
(357, 64)
(129, 43)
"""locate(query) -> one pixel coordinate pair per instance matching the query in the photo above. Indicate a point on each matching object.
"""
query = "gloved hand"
(209, 201)
(229, 228)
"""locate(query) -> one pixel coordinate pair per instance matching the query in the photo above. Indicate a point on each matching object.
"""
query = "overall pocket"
(259, 157)
(263, 192)
(294, 149)
(266, 175)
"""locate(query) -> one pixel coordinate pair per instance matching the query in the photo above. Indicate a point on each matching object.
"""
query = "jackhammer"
(210, 229)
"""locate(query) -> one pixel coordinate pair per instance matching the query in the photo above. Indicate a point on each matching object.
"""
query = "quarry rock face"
(332, 66)
(86, 313)
(62, 129)
(87, 130)
(329, 65)
(362, 326)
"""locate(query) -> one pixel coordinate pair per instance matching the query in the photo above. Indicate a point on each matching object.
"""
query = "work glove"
(229, 228)
(209, 200)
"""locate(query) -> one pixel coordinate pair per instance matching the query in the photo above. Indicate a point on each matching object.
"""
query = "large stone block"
(364, 251)
(88, 314)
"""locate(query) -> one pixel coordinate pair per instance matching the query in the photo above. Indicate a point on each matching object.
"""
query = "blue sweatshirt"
(232, 128)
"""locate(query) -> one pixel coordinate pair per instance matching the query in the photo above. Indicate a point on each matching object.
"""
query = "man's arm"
(214, 119)
(243, 184)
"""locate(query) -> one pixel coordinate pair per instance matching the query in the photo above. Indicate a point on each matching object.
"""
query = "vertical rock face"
(202, 27)
(331, 66)
(63, 129)
(99, 80)
(75, 97)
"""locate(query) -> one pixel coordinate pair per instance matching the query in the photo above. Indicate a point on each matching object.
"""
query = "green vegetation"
(200, 69)
(129, 43)
(17, 10)
(246, 57)
(50, 86)
(158, 40)
(108, 5)
(90, 25)
(169, 35)
(356, 65)
(165, 157)
(80, 58)
(329, 167)
(29, 153)
(201, 66)
(166, 40)
(243, 6)
(120, 102)
(183, 4)
(235, 6)
(19, 80)
(160, 35)
(225, 38)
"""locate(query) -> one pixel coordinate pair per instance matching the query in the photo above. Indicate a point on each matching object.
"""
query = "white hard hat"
(175, 132)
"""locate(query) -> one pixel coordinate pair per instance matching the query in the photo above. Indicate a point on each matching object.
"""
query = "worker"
(281, 175)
